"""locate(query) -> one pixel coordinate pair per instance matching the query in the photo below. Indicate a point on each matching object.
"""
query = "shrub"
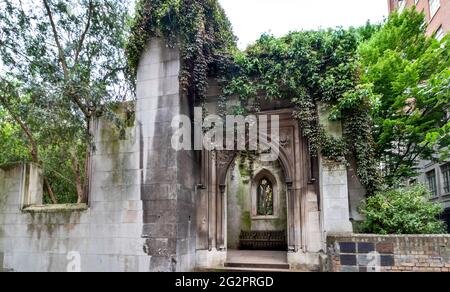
(405, 210)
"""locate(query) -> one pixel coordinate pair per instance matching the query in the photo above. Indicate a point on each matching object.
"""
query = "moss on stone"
(241, 195)
(62, 208)
(246, 221)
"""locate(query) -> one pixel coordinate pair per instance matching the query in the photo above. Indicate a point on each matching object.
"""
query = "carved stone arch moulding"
(224, 160)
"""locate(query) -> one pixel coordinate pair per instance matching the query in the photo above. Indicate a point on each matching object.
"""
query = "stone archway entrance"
(300, 180)
(256, 205)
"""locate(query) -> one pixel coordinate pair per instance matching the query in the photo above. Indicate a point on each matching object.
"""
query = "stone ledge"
(60, 208)
(391, 236)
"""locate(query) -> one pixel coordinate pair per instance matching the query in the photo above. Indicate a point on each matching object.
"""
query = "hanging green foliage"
(200, 28)
(310, 69)
(314, 70)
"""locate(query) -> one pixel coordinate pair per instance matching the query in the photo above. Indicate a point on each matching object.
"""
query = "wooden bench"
(263, 240)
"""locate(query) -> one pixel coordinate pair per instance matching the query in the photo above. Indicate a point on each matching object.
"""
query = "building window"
(439, 35)
(401, 5)
(432, 183)
(434, 7)
(446, 175)
(265, 198)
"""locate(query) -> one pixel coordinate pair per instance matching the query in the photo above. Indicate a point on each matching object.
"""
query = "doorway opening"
(256, 205)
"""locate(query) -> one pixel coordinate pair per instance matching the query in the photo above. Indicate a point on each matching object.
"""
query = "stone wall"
(168, 178)
(142, 193)
(104, 236)
(334, 185)
(408, 253)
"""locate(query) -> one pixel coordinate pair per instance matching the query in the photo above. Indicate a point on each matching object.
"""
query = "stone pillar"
(167, 176)
(32, 185)
(357, 193)
(221, 218)
(291, 218)
(335, 202)
(333, 186)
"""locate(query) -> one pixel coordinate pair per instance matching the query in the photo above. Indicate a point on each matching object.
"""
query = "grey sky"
(251, 18)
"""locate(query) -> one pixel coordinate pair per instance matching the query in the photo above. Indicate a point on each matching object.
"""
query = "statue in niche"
(265, 198)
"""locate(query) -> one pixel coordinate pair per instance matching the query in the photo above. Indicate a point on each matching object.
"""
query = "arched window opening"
(265, 198)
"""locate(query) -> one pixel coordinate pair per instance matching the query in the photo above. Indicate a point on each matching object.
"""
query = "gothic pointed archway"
(300, 181)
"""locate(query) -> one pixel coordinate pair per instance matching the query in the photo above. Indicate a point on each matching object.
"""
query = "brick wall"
(374, 253)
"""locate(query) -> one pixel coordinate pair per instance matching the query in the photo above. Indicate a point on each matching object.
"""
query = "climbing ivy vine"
(200, 28)
(317, 71)
(314, 70)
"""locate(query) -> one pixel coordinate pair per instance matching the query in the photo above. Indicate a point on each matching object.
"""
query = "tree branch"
(74, 96)
(62, 58)
(86, 29)
(50, 192)
(112, 73)
(401, 159)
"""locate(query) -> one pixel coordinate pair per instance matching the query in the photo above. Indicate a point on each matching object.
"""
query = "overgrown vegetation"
(200, 28)
(388, 84)
(306, 68)
(312, 69)
(63, 64)
(403, 211)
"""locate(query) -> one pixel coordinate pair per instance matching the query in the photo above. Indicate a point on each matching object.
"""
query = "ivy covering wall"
(308, 69)
(200, 28)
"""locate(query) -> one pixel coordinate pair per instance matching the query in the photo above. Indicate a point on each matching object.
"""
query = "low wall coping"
(59, 208)
(390, 236)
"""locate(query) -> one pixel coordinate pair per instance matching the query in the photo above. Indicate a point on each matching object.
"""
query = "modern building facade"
(437, 177)
(437, 13)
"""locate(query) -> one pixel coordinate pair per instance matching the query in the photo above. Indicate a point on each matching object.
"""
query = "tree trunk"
(50, 191)
(87, 166)
(87, 163)
(78, 178)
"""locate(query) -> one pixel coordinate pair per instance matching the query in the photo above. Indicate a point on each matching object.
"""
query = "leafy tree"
(403, 211)
(12, 148)
(63, 65)
(410, 74)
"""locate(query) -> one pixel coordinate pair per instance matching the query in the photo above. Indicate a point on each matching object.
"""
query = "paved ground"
(257, 257)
